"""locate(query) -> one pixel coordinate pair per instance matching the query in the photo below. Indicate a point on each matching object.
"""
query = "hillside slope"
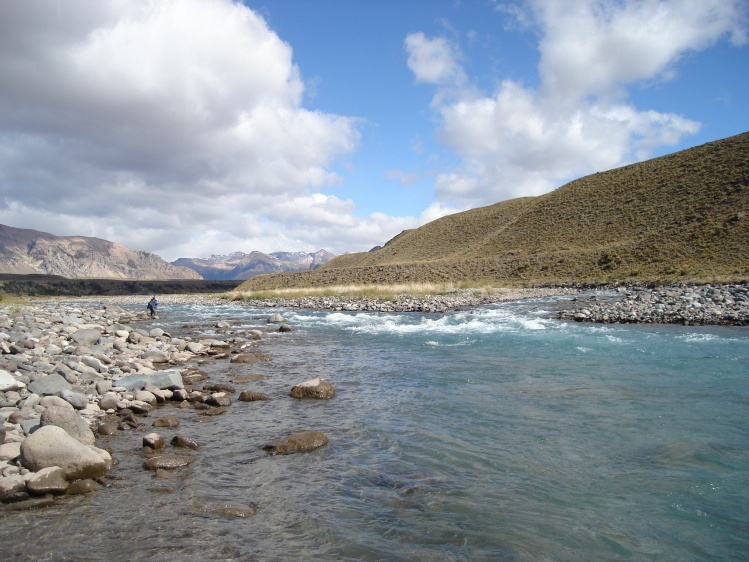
(682, 216)
(26, 251)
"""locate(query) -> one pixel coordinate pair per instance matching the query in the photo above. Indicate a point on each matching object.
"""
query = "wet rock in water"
(50, 480)
(166, 422)
(230, 510)
(70, 421)
(315, 388)
(185, 442)
(154, 442)
(250, 396)
(285, 328)
(214, 411)
(82, 487)
(52, 446)
(240, 379)
(249, 358)
(107, 429)
(33, 503)
(167, 462)
(219, 399)
(276, 319)
(299, 442)
(139, 407)
(220, 387)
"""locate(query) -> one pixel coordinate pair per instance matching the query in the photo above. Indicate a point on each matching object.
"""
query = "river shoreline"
(695, 305)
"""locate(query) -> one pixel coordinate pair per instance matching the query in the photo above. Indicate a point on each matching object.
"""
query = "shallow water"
(500, 434)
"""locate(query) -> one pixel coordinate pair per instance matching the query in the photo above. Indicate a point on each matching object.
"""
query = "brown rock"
(249, 396)
(230, 510)
(184, 441)
(166, 422)
(239, 379)
(299, 442)
(249, 358)
(107, 429)
(153, 441)
(167, 462)
(50, 480)
(82, 487)
(315, 388)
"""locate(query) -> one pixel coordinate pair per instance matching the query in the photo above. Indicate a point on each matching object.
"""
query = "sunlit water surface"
(497, 434)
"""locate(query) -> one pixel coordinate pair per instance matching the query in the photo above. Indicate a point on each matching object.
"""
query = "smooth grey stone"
(52, 446)
(163, 379)
(51, 384)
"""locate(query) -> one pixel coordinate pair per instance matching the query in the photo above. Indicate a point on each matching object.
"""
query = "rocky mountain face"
(26, 251)
(239, 265)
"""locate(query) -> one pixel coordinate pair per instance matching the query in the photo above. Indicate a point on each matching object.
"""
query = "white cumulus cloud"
(166, 126)
(518, 141)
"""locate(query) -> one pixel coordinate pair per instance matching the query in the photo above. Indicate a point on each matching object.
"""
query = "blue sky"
(197, 127)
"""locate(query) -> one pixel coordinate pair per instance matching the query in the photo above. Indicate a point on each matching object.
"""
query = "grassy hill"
(684, 216)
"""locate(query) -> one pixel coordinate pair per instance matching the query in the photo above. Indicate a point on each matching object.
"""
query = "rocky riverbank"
(454, 300)
(674, 304)
(72, 376)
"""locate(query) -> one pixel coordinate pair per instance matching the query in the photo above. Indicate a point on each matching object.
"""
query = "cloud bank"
(519, 141)
(174, 126)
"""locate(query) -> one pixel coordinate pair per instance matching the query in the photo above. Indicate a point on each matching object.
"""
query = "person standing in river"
(152, 305)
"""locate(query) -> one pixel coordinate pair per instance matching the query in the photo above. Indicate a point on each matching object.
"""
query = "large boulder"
(86, 336)
(299, 442)
(52, 446)
(51, 384)
(50, 480)
(315, 388)
(163, 379)
(70, 421)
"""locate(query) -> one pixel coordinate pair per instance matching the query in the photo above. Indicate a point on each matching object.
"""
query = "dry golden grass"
(373, 291)
(684, 216)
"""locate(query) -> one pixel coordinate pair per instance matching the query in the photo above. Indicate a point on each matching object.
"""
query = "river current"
(493, 434)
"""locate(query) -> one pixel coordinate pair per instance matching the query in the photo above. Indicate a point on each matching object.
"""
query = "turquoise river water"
(493, 434)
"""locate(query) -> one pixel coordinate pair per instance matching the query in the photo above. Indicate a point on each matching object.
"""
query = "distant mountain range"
(26, 251)
(239, 265)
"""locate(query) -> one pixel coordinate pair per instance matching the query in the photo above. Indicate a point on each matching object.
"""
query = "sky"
(189, 128)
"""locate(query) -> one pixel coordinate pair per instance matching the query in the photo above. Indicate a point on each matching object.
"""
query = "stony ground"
(675, 304)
